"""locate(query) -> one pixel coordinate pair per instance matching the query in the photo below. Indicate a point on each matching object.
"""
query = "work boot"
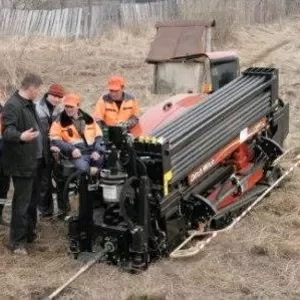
(20, 251)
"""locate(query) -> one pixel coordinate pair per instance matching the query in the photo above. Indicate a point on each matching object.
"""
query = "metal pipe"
(236, 86)
(219, 142)
(206, 151)
(219, 117)
(181, 172)
(213, 127)
(209, 135)
(209, 104)
(204, 116)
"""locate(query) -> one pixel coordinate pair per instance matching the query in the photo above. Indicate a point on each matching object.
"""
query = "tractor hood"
(165, 112)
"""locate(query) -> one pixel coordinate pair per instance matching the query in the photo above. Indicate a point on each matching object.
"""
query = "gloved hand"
(95, 155)
(76, 153)
(54, 149)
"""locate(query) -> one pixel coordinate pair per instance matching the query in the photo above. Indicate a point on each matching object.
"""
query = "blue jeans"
(84, 163)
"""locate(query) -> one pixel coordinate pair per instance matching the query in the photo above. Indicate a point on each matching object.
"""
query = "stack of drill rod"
(195, 136)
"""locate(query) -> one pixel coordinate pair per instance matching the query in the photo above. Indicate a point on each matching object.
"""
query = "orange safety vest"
(107, 110)
(64, 129)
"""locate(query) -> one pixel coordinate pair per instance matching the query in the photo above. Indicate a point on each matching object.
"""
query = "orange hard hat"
(72, 100)
(116, 83)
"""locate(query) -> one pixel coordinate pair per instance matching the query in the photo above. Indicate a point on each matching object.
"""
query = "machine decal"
(200, 171)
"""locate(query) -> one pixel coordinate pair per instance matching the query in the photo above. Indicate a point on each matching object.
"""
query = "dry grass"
(259, 259)
(230, 14)
(80, 65)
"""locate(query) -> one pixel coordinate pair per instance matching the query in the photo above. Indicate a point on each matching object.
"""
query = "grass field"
(259, 259)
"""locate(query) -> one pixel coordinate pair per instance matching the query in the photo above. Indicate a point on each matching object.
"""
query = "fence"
(92, 21)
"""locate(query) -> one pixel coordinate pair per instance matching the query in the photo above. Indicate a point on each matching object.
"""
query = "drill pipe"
(218, 140)
(240, 107)
(236, 88)
(218, 125)
(218, 95)
(209, 107)
(211, 115)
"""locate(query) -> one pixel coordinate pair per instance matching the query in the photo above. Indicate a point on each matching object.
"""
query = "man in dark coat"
(48, 108)
(23, 158)
(4, 179)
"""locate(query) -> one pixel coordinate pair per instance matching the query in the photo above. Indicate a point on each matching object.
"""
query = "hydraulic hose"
(123, 198)
(144, 168)
(66, 186)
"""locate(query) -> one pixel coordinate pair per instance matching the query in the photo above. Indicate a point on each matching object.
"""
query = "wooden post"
(90, 4)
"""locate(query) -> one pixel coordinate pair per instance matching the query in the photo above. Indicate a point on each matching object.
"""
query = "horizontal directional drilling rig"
(192, 163)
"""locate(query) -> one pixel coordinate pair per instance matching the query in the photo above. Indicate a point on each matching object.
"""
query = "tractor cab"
(186, 68)
(184, 61)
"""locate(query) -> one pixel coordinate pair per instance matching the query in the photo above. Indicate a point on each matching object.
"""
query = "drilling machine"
(182, 169)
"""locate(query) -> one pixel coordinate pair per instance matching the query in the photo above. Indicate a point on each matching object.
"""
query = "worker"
(48, 108)
(23, 158)
(4, 179)
(78, 136)
(117, 108)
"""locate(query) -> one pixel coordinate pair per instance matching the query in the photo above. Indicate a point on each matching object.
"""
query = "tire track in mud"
(287, 89)
(265, 53)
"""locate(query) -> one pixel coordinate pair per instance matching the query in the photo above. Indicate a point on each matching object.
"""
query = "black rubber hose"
(66, 186)
(126, 185)
(144, 168)
(137, 159)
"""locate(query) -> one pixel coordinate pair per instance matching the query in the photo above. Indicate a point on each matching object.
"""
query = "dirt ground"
(259, 259)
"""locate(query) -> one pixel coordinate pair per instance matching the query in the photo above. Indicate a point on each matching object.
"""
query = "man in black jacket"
(4, 179)
(23, 158)
(48, 108)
